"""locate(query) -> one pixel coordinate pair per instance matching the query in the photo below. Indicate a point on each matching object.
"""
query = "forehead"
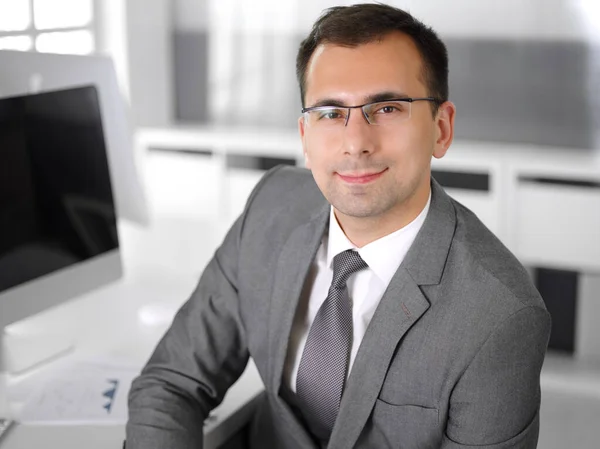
(391, 64)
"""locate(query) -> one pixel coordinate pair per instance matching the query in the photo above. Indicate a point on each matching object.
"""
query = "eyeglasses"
(388, 113)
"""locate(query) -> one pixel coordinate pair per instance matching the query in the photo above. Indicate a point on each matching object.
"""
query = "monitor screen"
(56, 202)
(24, 73)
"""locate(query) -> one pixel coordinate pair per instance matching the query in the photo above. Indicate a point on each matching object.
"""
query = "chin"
(358, 210)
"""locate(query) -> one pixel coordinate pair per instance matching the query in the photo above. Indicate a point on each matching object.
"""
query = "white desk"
(108, 323)
(233, 413)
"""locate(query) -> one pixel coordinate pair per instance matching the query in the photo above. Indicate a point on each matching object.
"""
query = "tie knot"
(344, 264)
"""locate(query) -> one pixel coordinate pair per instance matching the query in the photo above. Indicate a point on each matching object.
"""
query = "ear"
(301, 130)
(444, 123)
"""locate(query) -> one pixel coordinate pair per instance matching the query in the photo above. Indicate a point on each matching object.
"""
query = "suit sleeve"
(495, 404)
(201, 355)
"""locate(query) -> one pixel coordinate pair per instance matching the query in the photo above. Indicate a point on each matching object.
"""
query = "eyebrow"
(373, 98)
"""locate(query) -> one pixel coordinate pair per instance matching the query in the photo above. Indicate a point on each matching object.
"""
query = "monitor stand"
(34, 325)
(23, 350)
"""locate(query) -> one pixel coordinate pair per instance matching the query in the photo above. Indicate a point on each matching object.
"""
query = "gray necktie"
(324, 363)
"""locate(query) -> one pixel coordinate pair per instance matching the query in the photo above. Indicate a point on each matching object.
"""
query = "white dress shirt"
(365, 288)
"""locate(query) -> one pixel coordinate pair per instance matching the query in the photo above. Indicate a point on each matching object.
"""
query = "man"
(380, 313)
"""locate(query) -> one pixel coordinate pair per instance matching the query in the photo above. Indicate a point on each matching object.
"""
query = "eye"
(330, 114)
(389, 108)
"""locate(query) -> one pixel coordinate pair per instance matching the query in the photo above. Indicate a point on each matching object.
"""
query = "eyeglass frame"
(409, 100)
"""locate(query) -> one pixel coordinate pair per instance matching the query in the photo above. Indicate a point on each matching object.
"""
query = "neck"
(363, 230)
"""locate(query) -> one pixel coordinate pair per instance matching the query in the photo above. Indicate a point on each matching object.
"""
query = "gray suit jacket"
(451, 358)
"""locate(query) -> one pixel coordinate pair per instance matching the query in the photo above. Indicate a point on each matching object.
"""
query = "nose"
(358, 135)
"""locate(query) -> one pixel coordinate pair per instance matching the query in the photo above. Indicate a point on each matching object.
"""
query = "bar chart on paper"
(83, 392)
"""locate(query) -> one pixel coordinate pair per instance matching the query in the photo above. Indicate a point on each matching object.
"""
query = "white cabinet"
(182, 184)
(483, 193)
(204, 183)
(557, 225)
(547, 223)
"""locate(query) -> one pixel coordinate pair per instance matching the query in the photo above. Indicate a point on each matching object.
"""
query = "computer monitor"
(24, 73)
(58, 223)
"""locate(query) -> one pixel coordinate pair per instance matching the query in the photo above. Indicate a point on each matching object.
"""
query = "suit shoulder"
(284, 197)
(496, 263)
(285, 187)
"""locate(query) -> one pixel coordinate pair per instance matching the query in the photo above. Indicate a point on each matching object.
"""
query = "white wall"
(190, 15)
(149, 25)
(137, 34)
(111, 38)
(538, 19)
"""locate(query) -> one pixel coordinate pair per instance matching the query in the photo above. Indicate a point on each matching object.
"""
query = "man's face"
(369, 170)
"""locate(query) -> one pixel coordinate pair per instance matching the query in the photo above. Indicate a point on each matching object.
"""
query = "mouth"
(360, 178)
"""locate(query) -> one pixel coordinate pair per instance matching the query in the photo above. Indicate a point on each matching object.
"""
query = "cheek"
(317, 163)
(397, 149)
(409, 155)
(412, 145)
(316, 158)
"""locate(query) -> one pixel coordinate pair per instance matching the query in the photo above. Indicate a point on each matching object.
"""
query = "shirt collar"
(383, 255)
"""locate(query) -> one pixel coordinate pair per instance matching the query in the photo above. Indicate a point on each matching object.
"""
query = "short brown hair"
(354, 25)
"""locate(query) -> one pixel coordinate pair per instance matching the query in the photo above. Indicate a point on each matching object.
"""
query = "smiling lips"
(362, 178)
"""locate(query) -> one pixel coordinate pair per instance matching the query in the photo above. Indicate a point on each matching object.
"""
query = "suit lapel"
(401, 306)
(292, 268)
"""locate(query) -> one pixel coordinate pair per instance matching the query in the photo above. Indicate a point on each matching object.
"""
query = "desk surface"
(137, 309)
(231, 415)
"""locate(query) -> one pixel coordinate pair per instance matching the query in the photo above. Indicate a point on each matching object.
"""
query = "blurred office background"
(524, 74)
(520, 70)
